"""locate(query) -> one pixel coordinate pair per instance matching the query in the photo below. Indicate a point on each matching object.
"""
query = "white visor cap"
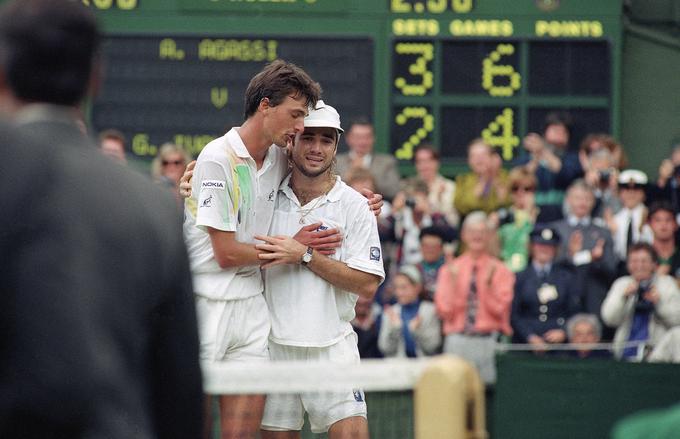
(323, 116)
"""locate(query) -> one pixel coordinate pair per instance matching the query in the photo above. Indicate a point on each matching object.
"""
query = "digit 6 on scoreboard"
(492, 71)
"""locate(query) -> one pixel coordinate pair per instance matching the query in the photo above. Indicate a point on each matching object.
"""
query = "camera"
(410, 202)
(604, 176)
(676, 171)
(642, 304)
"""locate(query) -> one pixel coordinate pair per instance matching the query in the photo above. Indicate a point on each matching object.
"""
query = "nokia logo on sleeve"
(212, 184)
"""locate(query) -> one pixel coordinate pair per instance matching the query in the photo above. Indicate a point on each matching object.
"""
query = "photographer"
(602, 176)
(411, 212)
(668, 184)
(643, 305)
(555, 166)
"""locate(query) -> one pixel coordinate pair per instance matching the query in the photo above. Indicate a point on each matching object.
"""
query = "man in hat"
(629, 223)
(311, 296)
(544, 294)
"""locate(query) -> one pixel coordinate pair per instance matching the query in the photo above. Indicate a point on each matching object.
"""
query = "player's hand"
(185, 181)
(375, 201)
(278, 250)
(323, 241)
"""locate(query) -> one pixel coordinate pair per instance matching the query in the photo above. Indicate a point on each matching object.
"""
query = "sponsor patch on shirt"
(375, 253)
(213, 184)
(207, 202)
(322, 227)
(358, 395)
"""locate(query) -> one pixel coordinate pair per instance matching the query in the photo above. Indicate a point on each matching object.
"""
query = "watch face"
(307, 256)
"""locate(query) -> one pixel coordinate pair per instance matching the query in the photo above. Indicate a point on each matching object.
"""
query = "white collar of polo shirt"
(331, 197)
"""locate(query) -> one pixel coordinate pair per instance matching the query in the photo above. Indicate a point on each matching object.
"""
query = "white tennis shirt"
(305, 309)
(229, 193)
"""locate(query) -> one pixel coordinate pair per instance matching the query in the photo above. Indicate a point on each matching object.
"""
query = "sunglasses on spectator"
(173, 162)
(631, 186)
(523, 188)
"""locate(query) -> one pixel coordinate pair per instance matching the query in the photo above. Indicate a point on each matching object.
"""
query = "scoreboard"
(436, 71)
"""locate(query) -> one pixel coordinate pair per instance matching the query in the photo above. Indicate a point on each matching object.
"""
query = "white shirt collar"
(539, 268)
(635, 211)
(237, 144)
(573, 221)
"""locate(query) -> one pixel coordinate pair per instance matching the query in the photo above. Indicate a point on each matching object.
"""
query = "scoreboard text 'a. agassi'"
(436, 71)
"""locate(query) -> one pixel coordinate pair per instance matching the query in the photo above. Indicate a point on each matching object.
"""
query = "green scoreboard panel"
(437, 71)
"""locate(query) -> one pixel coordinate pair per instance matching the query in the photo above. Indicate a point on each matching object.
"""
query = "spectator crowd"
(558, 246)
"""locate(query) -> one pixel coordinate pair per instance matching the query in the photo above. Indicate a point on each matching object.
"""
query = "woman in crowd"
(409, 328)
(168, 166)
(517, 222)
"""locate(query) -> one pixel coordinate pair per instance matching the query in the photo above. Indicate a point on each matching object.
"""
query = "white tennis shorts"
(285, 412)
(233, 330)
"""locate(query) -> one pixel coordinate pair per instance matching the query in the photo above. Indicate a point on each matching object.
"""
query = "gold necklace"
(305, 212)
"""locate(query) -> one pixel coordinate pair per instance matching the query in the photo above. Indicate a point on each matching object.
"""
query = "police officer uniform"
(544, 295)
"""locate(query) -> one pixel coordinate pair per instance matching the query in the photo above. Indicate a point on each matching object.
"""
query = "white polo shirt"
(229, 193)
(305, 309)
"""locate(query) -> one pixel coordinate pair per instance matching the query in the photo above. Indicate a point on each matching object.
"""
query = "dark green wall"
(538, 398)
(650, 103)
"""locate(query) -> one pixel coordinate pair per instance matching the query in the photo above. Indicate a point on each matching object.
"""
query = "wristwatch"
(307, 257)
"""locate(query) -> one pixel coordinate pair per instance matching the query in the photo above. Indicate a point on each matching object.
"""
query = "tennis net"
(406, 398)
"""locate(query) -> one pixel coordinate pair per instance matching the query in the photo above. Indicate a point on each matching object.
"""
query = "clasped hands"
(277, 250)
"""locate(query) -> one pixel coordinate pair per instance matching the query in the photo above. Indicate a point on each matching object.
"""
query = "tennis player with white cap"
(310, 295)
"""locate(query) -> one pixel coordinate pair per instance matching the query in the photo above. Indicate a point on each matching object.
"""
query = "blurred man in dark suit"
(586, 245)
(97, 326)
